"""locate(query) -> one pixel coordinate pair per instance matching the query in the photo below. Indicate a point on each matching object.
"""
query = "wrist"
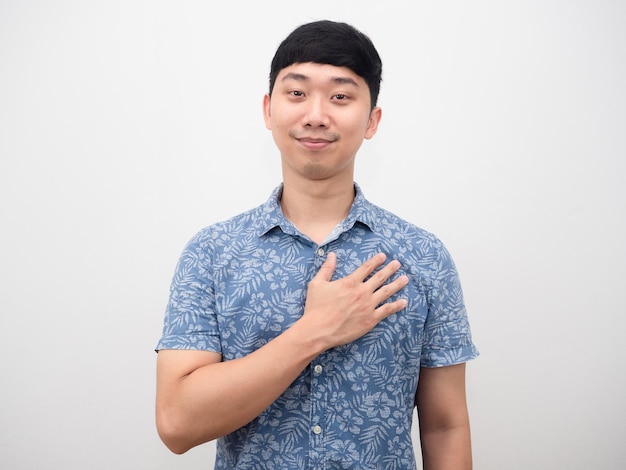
(307, 340)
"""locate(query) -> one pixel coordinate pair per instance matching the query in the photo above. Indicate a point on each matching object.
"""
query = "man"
(296, 333)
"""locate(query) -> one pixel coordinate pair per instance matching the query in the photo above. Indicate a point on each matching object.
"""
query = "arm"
(200, 398)
(443, 418)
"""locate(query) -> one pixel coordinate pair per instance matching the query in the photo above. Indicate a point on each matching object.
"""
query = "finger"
(389, 308)
(387, 290)
(362, 272)
(327, 269)
(383, 275)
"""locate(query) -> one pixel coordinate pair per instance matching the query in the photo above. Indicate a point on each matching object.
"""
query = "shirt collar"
(272, 215)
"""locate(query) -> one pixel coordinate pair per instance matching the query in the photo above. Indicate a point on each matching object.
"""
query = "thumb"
(327, 269)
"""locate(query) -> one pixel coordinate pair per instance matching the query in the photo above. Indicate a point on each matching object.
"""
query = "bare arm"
(443, 418)
(200, 398)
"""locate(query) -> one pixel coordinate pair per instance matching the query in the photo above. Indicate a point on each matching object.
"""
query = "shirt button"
(317, 429)
(318, 369)
(320, 252)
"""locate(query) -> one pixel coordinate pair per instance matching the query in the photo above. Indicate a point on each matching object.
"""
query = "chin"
(316, 172)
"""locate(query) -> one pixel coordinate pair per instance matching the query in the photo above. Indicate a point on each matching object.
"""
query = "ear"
(266, 111)
(372, 123)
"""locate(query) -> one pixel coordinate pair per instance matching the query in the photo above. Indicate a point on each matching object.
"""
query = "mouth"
(316, 143)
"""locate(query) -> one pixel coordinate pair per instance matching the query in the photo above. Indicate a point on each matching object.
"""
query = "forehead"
(320, 74)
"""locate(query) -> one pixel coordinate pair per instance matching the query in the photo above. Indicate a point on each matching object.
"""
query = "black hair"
(333, 43)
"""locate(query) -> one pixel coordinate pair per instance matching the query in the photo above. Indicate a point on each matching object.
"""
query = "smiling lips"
(316, 143)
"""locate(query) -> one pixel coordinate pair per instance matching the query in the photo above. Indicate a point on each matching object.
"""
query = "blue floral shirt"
(242, 282)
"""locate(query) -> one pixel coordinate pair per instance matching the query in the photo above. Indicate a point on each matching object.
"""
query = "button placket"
(319, 256)
(318, 405)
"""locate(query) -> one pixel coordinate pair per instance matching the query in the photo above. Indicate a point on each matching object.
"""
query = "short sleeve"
(190, 320)
(447, 335)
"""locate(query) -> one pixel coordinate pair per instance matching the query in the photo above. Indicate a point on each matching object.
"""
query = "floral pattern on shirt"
(242, 282)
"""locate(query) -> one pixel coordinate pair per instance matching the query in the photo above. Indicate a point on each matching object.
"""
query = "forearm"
(200, 398)
(444, 419)
(218, 398)
(447, 449)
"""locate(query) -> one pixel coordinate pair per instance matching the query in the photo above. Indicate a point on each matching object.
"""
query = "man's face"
(319, 115)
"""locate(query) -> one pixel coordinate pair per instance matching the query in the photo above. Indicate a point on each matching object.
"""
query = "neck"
(317, 206)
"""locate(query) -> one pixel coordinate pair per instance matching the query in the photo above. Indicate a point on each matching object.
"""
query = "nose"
(316, 114)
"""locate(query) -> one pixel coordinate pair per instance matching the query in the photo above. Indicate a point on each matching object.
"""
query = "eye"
(339, 97)
(296, 93)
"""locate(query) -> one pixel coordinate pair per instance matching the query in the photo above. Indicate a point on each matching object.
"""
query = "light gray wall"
(125, 126)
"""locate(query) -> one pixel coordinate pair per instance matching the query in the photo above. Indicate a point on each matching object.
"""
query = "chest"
(261, 295)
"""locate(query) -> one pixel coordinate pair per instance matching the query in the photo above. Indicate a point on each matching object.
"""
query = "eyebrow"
(303, 78)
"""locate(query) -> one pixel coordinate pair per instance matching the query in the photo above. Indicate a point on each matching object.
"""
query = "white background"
(126, 126)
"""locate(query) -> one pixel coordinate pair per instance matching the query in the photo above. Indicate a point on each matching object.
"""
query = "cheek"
(277, 123)
(355, 131)
(353, 125)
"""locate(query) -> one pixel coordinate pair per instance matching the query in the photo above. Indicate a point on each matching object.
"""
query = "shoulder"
(225, 233)
(417, 248)
(390, 225)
